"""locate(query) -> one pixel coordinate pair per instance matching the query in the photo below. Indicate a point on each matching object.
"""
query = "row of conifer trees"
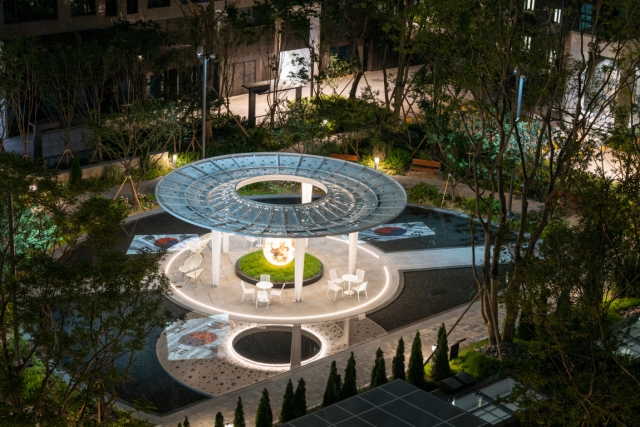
(294, 404)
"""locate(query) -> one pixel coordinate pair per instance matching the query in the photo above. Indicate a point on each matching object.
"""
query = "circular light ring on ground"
(305, 333)
(204, 193)
(341, 314)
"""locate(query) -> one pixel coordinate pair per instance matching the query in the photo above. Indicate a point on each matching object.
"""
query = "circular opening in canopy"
(280, 190)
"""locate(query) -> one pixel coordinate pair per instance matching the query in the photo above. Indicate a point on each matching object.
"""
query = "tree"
(379, 371)
(397, 364)
(20, 80)
(186, 422)
(415, 373)
(219, 420)
(300, 399)
(238, 416)
(350, 386)
(75, 176)
(332, 390)
(440, 366)
(136, 137)
(63, 274)
(264, 416)
(288, 411)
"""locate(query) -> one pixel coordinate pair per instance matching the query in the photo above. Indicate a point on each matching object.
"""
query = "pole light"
(376, 162)
(205, 58)
(520, 84)
(175, 160)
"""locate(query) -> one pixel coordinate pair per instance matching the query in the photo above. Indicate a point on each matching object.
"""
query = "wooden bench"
(347, 157)
(427, 165)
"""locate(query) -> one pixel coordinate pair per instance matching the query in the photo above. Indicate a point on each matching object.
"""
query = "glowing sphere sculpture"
(279, 251)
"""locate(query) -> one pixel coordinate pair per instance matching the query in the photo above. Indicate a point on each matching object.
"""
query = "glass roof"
(204, 193)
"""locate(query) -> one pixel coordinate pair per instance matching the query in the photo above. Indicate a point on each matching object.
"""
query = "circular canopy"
(204, 193)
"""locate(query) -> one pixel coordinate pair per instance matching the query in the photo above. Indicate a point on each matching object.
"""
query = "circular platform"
(317, 304)
(204, 193)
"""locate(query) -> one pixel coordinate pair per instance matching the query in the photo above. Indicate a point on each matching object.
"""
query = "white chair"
(278, 292)
(361, 287)
(333, 276)
(205, 241)
(195, 247)
(263, 296)
(335, 288)
(195, 275)
(265, 278)
(360, 274)
(191, 264)
(251, 240)
(246, 291)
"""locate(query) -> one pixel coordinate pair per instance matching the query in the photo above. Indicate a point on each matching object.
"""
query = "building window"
(526, 45)
(132, 7)
(556, 15)
(16, 11)
(529, 4)
(111, 8)
(83, 7)
(586, 15)
(152, 4)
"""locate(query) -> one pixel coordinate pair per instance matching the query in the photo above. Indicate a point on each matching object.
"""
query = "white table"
(266, 285)
(350, 278)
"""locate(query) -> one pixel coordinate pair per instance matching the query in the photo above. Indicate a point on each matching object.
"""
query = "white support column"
(299, 267)
(225, 242)
(216, 243)
(307, 197)
(353, 252)
(296, 347)
(347, 331)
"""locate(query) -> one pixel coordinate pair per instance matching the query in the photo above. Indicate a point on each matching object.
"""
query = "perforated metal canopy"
(204, 193)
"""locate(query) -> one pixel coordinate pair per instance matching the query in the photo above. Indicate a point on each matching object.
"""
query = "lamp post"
(205, 59)
(520, 84)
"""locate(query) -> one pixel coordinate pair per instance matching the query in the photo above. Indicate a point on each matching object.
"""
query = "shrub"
(398, 160)
(219, 420)
(287, 413)
(379, 372)
(238, 416)
(350, 387)
(264, 416)
(300, 399)
(441, 369)
(332, 390)
(423, 192)
(415, 374)
(397, 364)
(476, 364)
(112, 175)
(186, 158)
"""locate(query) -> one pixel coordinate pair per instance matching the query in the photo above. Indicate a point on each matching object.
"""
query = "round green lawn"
(254, 264)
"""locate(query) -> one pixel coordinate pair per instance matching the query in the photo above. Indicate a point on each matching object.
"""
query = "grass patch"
(274, 187)
(254, 264)
(621, 304)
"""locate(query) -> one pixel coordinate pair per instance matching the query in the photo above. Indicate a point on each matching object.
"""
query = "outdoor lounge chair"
(335, 288)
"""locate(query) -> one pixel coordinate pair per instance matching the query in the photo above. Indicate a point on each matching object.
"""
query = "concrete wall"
(96, 171)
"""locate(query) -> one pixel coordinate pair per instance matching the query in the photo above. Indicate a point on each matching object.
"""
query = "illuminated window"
(527, 43)
(529, 4)
(556, 15)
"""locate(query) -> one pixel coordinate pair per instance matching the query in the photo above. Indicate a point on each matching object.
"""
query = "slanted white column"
(225, 242)
(353, 252)
(296, 347)
(216, 243)
(307, 197)
(299, 267)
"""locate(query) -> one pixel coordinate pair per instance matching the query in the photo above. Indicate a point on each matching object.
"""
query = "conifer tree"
(264, 417)
(415, 374)
(238, 416)
(219, 420)
(179, 424)
(374, 371)
(331, 393)
(440, 368)
(287, 413)
(397, 364)
(186, 422)
(300, 399)
(350, 387)
(381, 373)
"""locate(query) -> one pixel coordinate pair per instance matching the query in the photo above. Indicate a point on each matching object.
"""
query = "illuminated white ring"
(275, 366)
(210, 310)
